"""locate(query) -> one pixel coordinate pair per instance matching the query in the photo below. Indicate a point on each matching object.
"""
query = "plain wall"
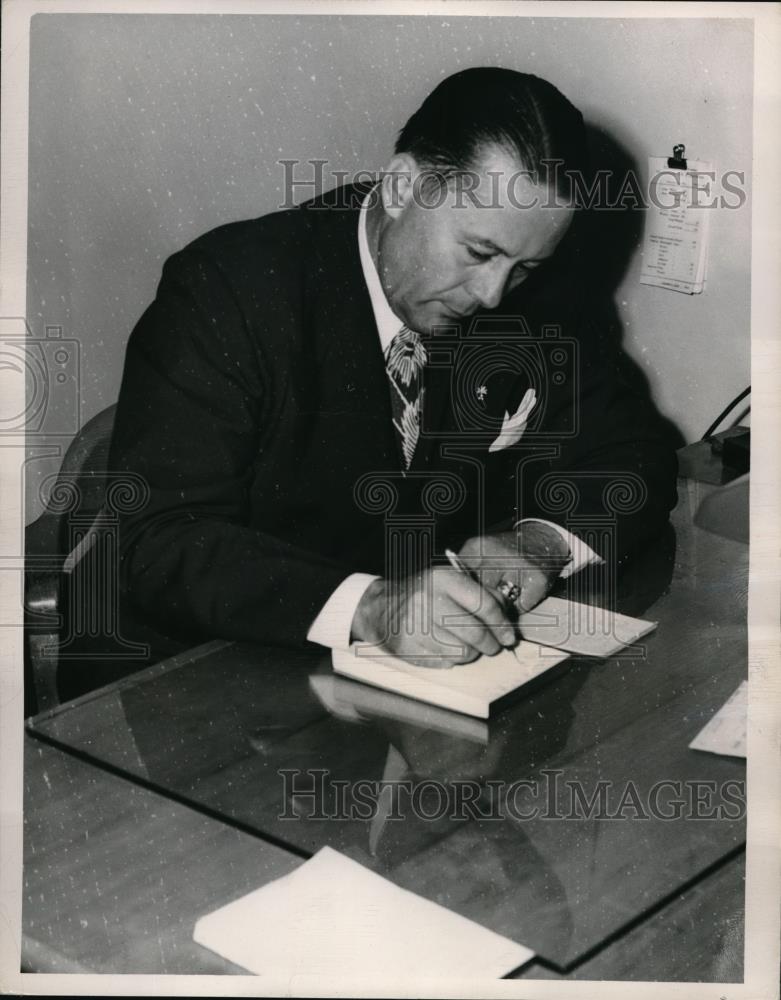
(147, 130)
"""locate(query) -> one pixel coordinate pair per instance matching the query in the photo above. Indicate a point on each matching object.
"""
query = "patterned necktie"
(405, 357)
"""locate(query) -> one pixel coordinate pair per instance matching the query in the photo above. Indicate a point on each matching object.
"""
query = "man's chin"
(432, 320)
(442, 320)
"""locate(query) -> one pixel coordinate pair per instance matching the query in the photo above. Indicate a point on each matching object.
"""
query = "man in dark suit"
(322, 400)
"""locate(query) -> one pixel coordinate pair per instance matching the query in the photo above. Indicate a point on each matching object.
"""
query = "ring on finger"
(509, 590)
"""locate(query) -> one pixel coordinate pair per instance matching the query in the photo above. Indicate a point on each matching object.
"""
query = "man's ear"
(397, 185)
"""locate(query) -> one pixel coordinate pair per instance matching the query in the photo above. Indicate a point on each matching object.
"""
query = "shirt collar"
(388, 323)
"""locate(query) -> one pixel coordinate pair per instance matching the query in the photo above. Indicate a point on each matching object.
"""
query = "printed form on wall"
(675, 251)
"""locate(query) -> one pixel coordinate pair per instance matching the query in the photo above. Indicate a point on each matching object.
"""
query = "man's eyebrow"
(485, 242)
(489, 244)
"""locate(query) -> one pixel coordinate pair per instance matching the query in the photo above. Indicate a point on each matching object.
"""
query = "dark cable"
(724, 413)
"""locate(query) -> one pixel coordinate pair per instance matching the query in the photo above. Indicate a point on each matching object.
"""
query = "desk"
(209, 732)
(115, 876)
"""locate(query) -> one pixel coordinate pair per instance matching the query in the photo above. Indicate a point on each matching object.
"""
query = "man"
(323, 399)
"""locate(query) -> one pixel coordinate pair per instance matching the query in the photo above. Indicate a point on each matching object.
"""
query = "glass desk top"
(574, 811)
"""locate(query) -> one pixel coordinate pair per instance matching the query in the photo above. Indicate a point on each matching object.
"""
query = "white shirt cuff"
(582, 555)
(333, 623)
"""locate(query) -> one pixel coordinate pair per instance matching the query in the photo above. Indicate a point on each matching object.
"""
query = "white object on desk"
(726, 731)
(355, 702)
(332, 917)
(472, 688)
(581, 629)
(554, 629)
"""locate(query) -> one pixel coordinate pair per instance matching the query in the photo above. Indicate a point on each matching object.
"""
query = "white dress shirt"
(333, 623)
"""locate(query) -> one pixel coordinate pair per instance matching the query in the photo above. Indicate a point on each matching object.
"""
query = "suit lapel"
(348, 353)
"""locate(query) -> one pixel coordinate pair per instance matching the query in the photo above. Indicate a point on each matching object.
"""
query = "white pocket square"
(514, 426)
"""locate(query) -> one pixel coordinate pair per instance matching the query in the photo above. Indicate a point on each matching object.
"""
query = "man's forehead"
(499, 198)
(505, 186)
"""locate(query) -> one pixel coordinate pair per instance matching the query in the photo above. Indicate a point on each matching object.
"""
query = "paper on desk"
(580, 628)
(468, 687)
(726, 731)
(675, 251)
(333, 917)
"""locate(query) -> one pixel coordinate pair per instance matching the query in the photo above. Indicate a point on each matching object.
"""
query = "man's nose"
(488, 288)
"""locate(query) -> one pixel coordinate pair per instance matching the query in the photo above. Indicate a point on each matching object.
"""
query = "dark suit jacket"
(255, 405)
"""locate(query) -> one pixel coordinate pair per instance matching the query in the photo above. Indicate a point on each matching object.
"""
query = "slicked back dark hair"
(485, 106)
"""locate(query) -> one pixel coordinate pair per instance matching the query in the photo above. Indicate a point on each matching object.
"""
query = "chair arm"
(42, 594)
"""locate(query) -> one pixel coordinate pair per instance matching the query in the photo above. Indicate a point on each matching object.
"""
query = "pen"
(458, 565)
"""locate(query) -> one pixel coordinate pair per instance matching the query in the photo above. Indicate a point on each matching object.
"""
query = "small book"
(355, 702)
(476, 688)
(581, 629)
(333, 919)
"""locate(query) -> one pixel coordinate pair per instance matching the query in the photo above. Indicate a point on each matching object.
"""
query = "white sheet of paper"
(581, 628)
(468, 687)
(726, 731)
(333, 917)
(675, 251)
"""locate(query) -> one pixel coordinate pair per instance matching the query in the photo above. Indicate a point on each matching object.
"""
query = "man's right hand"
(434, 618)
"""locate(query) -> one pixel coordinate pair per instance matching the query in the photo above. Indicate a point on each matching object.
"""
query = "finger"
(432, 662)
(462, 635)
(444, 647)
(423, 650)
(500, 616)
(487, 610)
(535, 585)
(441, 635)
(447, 662)
(472, 632)
(422, 637)
(468, 654)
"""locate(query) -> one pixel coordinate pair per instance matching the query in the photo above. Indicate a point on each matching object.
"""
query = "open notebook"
(474, 688)
(553, 630)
